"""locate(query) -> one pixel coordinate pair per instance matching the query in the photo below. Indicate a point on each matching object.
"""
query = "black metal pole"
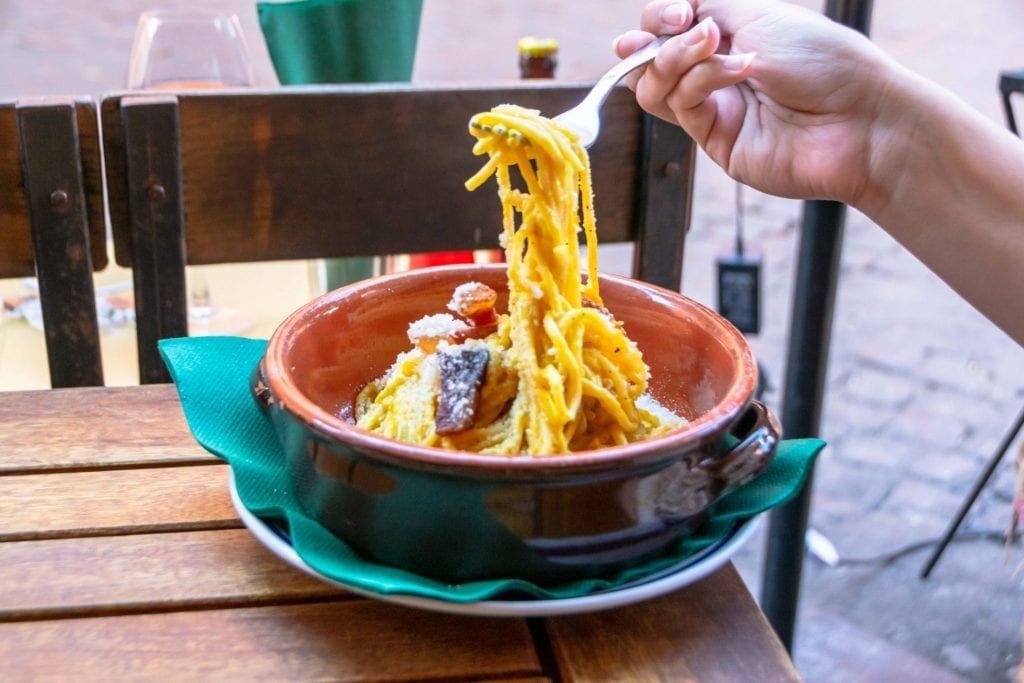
(807, 362)
(853, 13)
(821, 233)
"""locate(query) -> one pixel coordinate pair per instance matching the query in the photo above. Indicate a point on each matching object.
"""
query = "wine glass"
(183, 50)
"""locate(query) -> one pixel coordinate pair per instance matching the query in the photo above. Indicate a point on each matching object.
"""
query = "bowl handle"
(259, 388)
(758, 433)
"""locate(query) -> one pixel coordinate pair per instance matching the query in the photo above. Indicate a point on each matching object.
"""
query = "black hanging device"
(739, 280)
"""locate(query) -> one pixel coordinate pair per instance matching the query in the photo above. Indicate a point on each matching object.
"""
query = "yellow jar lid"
(537, 47)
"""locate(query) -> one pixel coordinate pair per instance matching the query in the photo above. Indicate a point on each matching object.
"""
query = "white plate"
(672, 578)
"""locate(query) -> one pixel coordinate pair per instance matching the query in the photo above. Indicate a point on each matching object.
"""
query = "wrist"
(897, 139)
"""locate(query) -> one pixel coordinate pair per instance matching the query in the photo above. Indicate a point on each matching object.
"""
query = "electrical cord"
(888, 558)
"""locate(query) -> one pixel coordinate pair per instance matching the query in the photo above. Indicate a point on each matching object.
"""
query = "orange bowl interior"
(699, 363)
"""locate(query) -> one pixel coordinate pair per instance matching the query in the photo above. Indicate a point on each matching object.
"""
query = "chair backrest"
(52, 224)
(209, 177)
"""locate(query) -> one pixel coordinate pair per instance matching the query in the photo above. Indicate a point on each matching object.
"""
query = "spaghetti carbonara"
(554, 374)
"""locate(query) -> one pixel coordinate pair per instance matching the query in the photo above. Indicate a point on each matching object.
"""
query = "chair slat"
(52, 224)
(305, 173)
(665, 198)
(52, 171)
(16, 256)
(156, 219)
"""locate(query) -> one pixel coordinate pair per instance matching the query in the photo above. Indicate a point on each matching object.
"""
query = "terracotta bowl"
(458, 516)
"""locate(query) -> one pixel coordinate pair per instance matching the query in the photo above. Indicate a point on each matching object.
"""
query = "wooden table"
(122, 558)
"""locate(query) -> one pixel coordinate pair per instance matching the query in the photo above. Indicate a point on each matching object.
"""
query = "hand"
(782, 98)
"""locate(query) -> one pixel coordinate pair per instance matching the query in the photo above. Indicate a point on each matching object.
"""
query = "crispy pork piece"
(463, 369)
(475, 301)
(427, 332)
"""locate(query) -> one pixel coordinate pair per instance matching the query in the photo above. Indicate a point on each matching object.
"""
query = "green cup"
(342, 41)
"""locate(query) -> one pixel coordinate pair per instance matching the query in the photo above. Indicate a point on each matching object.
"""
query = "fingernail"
(698, 33)
(738, 62)
(615, 43)
(676, 15)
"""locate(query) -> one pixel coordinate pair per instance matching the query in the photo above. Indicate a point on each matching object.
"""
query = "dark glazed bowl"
(460, 516)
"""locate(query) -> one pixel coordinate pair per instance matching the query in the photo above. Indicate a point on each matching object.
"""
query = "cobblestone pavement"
(921, 388)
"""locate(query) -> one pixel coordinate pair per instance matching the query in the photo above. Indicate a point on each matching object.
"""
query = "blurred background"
(921, 387)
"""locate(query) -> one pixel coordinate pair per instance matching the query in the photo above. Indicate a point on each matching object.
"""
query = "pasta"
(561, 374)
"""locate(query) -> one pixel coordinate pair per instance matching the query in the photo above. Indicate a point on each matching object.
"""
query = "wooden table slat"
(95, 427)
(122, 558)
(157, 572)
(715, 622)
(359, 640)
(104, 502)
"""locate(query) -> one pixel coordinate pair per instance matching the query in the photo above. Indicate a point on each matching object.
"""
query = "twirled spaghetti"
(561, 374)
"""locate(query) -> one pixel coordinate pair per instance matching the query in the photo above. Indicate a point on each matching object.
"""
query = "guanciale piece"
(462, 374)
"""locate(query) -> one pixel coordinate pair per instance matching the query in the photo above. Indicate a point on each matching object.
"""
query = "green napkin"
(212, 375)
(342, 41)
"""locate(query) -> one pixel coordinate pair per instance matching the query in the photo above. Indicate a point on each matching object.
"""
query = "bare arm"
(799, 106)
(949, 185)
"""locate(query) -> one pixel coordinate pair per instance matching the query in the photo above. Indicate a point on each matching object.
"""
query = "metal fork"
(585, 118)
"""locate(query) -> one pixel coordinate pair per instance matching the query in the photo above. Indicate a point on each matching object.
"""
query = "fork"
(585, 118)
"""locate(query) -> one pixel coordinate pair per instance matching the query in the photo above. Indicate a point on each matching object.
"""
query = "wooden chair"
(52, 224)
(209, 177)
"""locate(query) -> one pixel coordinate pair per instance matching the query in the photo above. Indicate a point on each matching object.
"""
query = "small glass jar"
(538, 57)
